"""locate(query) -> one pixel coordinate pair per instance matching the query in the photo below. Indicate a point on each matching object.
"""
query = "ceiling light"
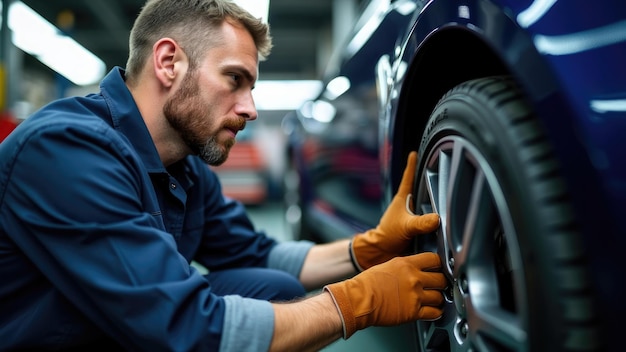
(39, 38)
(336, 87)
(284, 95)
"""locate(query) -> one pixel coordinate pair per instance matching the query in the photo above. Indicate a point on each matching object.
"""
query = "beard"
(189, 116)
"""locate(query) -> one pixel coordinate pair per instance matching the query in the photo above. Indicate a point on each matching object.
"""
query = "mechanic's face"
(214, 101)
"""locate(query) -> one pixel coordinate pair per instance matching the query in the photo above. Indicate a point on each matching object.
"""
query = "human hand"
(401, 290)
(397, 227)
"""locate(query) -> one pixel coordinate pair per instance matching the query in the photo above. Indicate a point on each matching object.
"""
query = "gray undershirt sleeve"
(289, 256)
(248, 325)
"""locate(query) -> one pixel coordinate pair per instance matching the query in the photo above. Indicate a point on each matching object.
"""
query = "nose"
(246, 108)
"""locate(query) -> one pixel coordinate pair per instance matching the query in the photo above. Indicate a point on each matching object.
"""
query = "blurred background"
(53, 49)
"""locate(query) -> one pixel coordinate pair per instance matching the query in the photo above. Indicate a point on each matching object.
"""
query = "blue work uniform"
(97, 237)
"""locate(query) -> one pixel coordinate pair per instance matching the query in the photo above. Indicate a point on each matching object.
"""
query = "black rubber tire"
(513, 255)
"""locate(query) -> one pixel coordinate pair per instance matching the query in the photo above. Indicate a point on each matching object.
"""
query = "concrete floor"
(270, 218)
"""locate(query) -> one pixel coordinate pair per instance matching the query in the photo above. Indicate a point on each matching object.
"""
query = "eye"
(235, 77)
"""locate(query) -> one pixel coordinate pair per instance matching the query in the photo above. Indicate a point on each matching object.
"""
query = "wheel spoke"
(458, 196)
(432, 187)
(444, 171)
(435, 180)
(480, 224)
(492, 329)
(436, 335)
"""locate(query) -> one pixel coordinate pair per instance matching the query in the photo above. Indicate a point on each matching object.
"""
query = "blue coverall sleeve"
(79, 205)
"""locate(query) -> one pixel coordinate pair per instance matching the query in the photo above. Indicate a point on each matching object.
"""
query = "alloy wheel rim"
(486, 296)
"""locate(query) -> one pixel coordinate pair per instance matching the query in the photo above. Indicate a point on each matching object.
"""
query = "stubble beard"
(187, 114)
(212, 153)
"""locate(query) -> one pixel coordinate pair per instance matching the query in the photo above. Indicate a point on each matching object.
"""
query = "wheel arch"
(441, 52)
(435, 68)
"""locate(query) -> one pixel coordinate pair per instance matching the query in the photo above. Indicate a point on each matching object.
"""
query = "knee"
(259, 283)
(281, 287)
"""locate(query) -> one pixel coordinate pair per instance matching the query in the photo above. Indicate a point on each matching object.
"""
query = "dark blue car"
(517, 109)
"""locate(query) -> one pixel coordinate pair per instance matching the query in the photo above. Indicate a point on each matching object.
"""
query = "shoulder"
(66, 130)
(70, 118)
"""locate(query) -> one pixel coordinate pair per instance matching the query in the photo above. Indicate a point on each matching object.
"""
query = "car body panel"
(567, 55)
(566, 88)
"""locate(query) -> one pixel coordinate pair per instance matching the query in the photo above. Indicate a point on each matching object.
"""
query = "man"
(106, 199)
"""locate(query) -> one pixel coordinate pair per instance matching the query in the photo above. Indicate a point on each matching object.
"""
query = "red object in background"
(7, 125)
(244, 174)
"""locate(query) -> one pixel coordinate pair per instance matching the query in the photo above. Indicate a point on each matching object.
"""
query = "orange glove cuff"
(344, 306)
(400, 290)
(355, 263)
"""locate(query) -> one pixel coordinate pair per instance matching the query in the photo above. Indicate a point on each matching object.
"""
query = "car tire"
(508, 238)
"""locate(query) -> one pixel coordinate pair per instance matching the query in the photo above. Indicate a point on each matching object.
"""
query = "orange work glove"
(396, 228)
(401, 290)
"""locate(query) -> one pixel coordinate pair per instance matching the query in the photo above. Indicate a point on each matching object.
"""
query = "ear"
(169, 61)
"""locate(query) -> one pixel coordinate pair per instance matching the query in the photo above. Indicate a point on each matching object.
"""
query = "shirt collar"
(126, 119)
